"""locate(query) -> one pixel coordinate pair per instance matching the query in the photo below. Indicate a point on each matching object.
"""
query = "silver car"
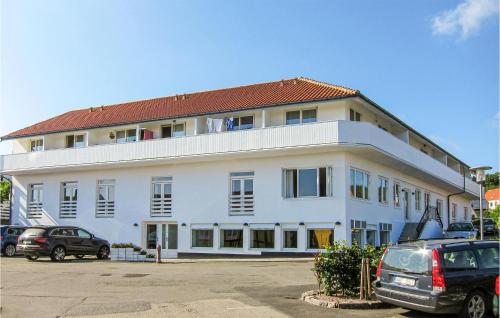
(461, 230)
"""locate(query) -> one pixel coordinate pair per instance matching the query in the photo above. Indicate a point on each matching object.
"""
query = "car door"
(86, 242)
(461, 269)
(488, 256)
(73, 242)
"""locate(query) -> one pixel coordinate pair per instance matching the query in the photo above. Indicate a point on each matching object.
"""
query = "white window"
(75, 141)
(202, 238)
(231, 238)
(354, 115)
(261, 238)
(360, 181)
(128, 135)
(396, 194)
(383, 188)
(241, 199)
(36, 145)
(179, 130)
(418, 199)
(307, 182)
(68, 204)
(35, 201)
(242, 122)
(105, 203)
(290, 238)
(427, 199)
(319, 238)
(453, 212)
(385, 233)
(300, 116)
(466, 213)
(161, 196)
(439, 206)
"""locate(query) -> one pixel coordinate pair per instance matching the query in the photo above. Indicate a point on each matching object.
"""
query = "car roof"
(430, 244)
(49, 227)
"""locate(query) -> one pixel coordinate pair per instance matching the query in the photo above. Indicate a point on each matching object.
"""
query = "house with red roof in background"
(287, 166)
(493, 198)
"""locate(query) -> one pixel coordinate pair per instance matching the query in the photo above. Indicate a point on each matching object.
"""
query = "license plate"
(404, 281)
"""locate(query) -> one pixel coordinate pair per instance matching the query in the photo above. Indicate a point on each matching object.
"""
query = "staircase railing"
(430, 213)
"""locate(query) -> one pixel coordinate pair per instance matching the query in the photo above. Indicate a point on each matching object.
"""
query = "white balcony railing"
(67, 209)
(34, 210)
(161, 207)
(241, 204)
(344, 135)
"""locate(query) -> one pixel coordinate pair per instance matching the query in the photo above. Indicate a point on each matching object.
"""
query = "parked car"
(446, 276)
(489, 226)
(461, 230)
(8, 238)
(59, 241)
(496, 303)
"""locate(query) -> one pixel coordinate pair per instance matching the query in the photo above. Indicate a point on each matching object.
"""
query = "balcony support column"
(264, 118)
(195, 132)
(138, 133)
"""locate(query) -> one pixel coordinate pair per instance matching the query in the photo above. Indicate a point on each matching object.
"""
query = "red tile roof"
(493, 194)
(215, 101)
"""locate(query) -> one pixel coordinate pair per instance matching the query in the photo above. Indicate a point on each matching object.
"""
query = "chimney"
(282, 83)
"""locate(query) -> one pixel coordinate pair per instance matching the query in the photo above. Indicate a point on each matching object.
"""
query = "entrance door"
(406, 203)
(164, 234)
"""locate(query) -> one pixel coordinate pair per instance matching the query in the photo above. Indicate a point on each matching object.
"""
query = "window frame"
(418, 199)
(75, 135)
(108, 207)
(380, 199)
(453, 214)
(365, 196)
(221, 238)
(296, 230)
(262, 229)
(241, 177)
(203, 229)
(301, 116)
(174, 125)
(39, 144)
(34, 209)
(239, 122)
(68, 208)
(308, 239)
(328, 182)
(427, 199)
(354, 115)
(396, 194)
(164, 202)
(126, 131)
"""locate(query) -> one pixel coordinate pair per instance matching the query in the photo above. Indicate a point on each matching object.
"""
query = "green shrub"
(338, 268)
(122, 245)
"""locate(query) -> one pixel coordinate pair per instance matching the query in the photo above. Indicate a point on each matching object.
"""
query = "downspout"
(448, 203)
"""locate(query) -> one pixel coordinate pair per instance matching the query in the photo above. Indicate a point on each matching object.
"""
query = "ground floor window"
(319, 238)
(371, 237)
(202, 238)
(262, 238)
(151, 236)
(385, 237)
(231, 238)
(290, 239)
(357, 237)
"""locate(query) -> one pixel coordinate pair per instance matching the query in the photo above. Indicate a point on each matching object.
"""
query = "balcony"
(357, 137)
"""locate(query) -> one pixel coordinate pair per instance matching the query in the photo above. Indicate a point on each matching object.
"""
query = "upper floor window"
(35, 201)
(174, 130)
(354, 115)
(105, 203)
(69, 194)
(75, 141)
(360, 181)
(238, 123)
(36, 145)
(308, 182)
(161, 196)
(300, 116)
(128, 135)
(383, 188)
(396, 194)
(241, 199)
(418, 199)
(439, 206)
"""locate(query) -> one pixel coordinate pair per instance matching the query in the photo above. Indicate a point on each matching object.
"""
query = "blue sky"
(432, 63)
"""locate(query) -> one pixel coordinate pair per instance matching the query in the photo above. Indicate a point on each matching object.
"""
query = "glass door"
(406, 203)
(163, 234)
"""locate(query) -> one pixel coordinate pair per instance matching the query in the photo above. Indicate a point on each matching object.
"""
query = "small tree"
(4, 191)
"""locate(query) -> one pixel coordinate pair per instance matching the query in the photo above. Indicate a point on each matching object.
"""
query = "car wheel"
(58, 254)
(10, 250)
(31, 257)
(475, 305)
(79, 256)
(103, 252)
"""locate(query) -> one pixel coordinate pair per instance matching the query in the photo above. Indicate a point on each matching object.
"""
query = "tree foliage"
(492, 181)
(338, 268)
(4, 191)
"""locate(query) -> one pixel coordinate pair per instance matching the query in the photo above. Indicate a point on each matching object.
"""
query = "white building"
(304, 163)
(493, 198)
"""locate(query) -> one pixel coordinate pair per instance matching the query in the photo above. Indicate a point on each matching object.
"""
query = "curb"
(310, 297)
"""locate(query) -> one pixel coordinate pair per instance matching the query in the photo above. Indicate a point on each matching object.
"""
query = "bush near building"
(338, 268)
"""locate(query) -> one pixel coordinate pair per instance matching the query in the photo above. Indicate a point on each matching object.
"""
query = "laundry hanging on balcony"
(230, 123)
(214, 125)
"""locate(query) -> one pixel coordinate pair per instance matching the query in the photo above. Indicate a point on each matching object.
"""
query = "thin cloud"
(465, 19)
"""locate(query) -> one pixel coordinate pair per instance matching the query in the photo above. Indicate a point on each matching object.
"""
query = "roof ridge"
(344, 88)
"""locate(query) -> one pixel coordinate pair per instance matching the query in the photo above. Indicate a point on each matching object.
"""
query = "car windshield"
(488, 222)
(460, 227)
(408, 260)
(33, 232)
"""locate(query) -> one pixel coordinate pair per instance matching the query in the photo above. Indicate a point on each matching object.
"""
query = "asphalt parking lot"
(208, 288)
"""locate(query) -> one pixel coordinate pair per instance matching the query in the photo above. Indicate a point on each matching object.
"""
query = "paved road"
(90, 288)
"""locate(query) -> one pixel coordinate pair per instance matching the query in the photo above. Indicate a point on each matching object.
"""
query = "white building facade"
(289, 176)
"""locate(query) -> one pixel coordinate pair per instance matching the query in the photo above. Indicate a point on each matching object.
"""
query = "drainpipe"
(448, 202)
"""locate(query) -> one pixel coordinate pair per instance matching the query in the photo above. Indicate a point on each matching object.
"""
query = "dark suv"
(8, 238)
(446, 276)
(489, 226)
(59, 241)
